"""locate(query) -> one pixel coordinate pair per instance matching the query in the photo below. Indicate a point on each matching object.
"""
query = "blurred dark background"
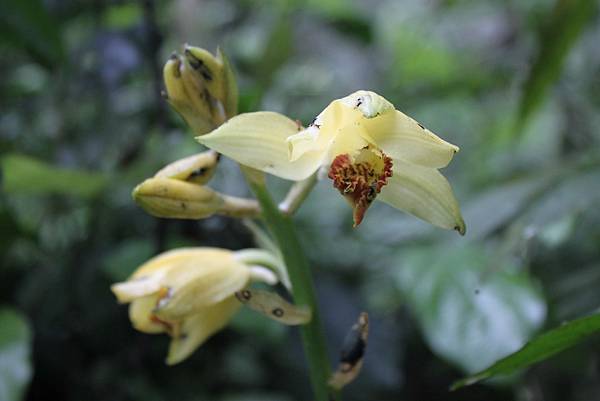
(516, 84)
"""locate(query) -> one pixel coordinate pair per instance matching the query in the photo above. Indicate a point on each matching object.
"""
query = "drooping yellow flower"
(366, 147)
(188, 293)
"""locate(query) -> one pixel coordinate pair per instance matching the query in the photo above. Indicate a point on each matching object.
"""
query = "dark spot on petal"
(206, 75)
(198, 173)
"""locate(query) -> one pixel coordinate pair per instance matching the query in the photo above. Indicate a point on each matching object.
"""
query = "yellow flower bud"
(197, 169)
(201, 87)
(175, 199)
(171, 198)
(186, 293)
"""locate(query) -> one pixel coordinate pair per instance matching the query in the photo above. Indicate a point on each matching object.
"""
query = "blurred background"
(515, 84)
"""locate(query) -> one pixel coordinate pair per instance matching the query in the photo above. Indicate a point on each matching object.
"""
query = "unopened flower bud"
(176, 199)
(201, 87)
(171, 198)
(197, 169)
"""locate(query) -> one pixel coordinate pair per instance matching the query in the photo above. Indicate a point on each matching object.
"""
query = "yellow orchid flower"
(189, 294)
(369, 150)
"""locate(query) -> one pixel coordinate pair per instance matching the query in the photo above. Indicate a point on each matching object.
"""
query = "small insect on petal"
(274, 307)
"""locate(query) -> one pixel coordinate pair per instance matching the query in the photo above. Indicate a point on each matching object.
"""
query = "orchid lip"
(360, 178)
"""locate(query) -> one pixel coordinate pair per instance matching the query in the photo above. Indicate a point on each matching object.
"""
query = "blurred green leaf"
(422, 59)
(122, 15)
(469, 314)
(578, 191)
(15, 349)
(276, 52)
(498, 206)
(564, 26)
(354, 27)
(539, 349)
(24, 174)
(26, 23)
(332, 8)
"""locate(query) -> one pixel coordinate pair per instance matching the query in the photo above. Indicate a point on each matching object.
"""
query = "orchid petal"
(337, 129)
(129, 290)
(149, 278)
(350, 142)
(258, 140)
(401, 137)
(197, 328)
(198, 283)
(140, 314)
(424, 193)
(167, 260)
(370, 104)
(307, 140)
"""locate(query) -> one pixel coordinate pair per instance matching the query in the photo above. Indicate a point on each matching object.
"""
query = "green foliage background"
(515, 84)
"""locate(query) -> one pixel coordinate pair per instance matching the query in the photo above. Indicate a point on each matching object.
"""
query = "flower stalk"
(361, 142)
(283, 229)
(297, 194)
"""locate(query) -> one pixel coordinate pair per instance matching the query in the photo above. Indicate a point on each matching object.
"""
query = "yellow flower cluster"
(368, 149)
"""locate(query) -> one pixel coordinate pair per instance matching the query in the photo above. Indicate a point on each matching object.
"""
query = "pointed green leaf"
(538, 349)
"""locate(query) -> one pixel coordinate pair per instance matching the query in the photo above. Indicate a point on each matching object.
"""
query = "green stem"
(283, 229)
(297, 194)
(265, 258)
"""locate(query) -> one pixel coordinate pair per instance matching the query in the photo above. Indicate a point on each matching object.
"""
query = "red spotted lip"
(359, 182)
